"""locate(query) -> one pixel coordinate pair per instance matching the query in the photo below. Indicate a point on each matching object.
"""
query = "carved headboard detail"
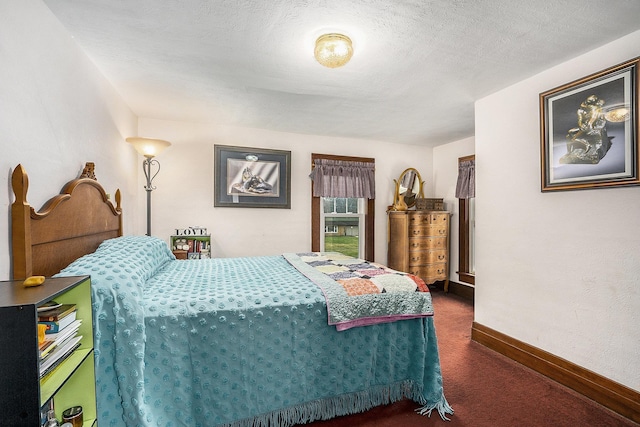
(69, 225)
(89, 171)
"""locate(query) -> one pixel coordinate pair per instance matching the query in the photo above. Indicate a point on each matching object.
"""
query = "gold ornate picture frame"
(589, 131)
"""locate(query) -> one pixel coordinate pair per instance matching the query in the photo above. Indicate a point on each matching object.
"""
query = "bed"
(254, 341)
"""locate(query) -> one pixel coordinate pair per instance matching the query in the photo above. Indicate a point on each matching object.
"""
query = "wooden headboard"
(69, 225)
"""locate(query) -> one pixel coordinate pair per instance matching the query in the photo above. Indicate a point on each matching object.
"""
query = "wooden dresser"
(419, 244)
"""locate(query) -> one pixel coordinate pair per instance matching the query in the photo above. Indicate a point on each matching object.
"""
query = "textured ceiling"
(418, 65)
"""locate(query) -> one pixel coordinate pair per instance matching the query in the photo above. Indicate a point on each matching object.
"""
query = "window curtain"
(341, 178)
(466, 187)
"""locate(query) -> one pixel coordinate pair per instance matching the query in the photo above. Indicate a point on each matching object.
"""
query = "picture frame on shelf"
(589, 131)
(247, 177)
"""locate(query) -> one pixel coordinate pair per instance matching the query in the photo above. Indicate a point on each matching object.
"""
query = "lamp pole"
(146, 167)
(149, 148)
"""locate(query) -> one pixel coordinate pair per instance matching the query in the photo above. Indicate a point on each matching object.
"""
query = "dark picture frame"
(247, 177)
(589, 131)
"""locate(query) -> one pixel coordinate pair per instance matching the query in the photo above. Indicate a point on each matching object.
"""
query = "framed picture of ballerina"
(589, 131)
(251, 177)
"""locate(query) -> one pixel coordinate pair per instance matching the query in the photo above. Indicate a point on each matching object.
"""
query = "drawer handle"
(416, 232)
(440, 257)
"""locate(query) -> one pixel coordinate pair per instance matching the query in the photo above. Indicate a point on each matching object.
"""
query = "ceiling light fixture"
(333, 50)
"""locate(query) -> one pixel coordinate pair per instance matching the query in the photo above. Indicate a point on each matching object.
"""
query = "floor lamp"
(149, 148)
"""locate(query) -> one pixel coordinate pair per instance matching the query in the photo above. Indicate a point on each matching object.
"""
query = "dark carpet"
(485, 388)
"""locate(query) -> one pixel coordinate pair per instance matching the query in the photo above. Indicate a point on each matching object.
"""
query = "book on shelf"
(49, 305)
(201, 245)
(59, 338)
(58, 325)
(56, 313)
(65, 332)
(59, 355)
(53, 354)
(45, 347)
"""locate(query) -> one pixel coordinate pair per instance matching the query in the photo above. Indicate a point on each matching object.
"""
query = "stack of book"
(61, 337)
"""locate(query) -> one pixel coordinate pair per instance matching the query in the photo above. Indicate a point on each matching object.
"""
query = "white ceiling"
(417, 69)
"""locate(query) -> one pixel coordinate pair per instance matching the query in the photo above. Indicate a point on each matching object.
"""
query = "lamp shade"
(148, 147)
(333, 50)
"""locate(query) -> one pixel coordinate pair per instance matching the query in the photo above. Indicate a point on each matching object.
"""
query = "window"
(346, 216)
(330, 229)
(466, 233)
(344, 223)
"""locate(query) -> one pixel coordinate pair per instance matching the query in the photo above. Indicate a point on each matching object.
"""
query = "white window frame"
(362, 208)
(472, 235)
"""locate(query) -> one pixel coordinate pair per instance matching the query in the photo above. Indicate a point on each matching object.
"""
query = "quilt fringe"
(441, 406)
(352, 403)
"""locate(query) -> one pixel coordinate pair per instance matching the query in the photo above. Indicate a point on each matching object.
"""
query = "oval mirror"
(408, 188)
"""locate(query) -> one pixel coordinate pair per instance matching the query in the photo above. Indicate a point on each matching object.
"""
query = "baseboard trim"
(463, 290)
(613, 395)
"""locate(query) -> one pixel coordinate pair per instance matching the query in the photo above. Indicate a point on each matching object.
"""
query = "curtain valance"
(466, 187)
(341, 178)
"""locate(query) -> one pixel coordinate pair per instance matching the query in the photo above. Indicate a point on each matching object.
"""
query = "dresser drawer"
(417, 258)
(430, 273)
(441, 219)
(428, 218)
(426, 243)
(428, 230)
(418, 219)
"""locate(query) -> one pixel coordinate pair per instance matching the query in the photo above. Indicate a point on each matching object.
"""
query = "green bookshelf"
(191, 246)
(72, 382)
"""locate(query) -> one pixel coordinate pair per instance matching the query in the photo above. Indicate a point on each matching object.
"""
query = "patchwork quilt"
(360, 293)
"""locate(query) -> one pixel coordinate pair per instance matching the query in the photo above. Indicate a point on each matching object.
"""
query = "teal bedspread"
(239, 342)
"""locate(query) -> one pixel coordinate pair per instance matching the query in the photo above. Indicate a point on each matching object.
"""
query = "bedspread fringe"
(442, 406)
(352, 403)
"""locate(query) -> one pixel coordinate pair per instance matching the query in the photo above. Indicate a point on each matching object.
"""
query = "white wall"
(57, 113)
(556, 270)
(184, 195)
(445, 178)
